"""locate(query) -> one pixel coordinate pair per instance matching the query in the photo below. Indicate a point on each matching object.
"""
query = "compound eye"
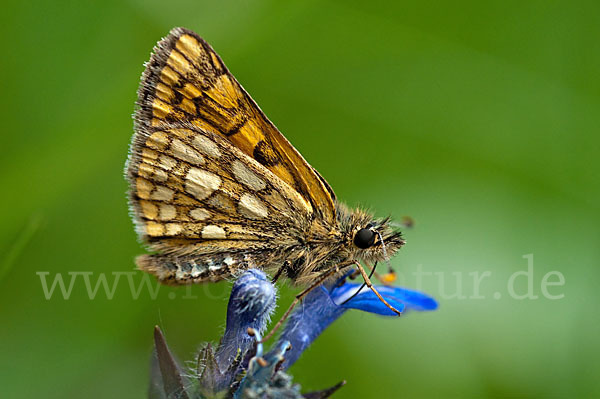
(364, 238)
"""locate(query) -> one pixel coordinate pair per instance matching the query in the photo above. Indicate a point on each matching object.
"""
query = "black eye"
(364, 238)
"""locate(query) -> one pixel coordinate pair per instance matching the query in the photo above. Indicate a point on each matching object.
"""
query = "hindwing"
(197, 198)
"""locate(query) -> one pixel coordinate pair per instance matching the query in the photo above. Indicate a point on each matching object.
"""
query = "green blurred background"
(478, 119)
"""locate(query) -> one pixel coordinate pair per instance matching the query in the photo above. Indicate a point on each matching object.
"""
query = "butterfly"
(216, 189)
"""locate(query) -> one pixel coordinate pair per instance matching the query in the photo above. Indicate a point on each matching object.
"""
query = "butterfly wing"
(205, 207)
(186, 81)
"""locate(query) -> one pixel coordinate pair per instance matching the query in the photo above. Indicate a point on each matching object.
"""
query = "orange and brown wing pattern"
(188, 183)
(205, 208)
(186, 81)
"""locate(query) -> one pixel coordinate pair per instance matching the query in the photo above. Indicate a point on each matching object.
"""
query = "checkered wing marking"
(200, 202)
(186, 81)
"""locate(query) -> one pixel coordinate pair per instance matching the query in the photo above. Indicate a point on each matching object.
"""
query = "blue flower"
(323, 305)
(252, 301)
(238, 368)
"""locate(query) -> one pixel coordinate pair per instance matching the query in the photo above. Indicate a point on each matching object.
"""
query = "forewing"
(186, 81)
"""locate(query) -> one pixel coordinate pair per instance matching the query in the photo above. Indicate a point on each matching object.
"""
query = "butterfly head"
(376, 240)
(370, 239)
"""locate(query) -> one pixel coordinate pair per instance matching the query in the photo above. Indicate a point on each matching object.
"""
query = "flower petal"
(400, 298)
(367, 301)
(252, 300)
(414, 300)
(323, 305)
(316, 312)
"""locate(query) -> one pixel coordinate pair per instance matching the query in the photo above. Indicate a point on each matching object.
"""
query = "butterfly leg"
(370, 285)
(280, 271)
(324, 276)
(284, 268)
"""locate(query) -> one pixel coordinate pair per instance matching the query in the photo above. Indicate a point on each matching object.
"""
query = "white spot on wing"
(212, 267)
(199, 213)
(201, 183)
(162, 193)
(166, 212)
(213, 232)
(196, 270)
(206, 146)
(247, 177)
(186, 153)
(166, 162)
(252, 207)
